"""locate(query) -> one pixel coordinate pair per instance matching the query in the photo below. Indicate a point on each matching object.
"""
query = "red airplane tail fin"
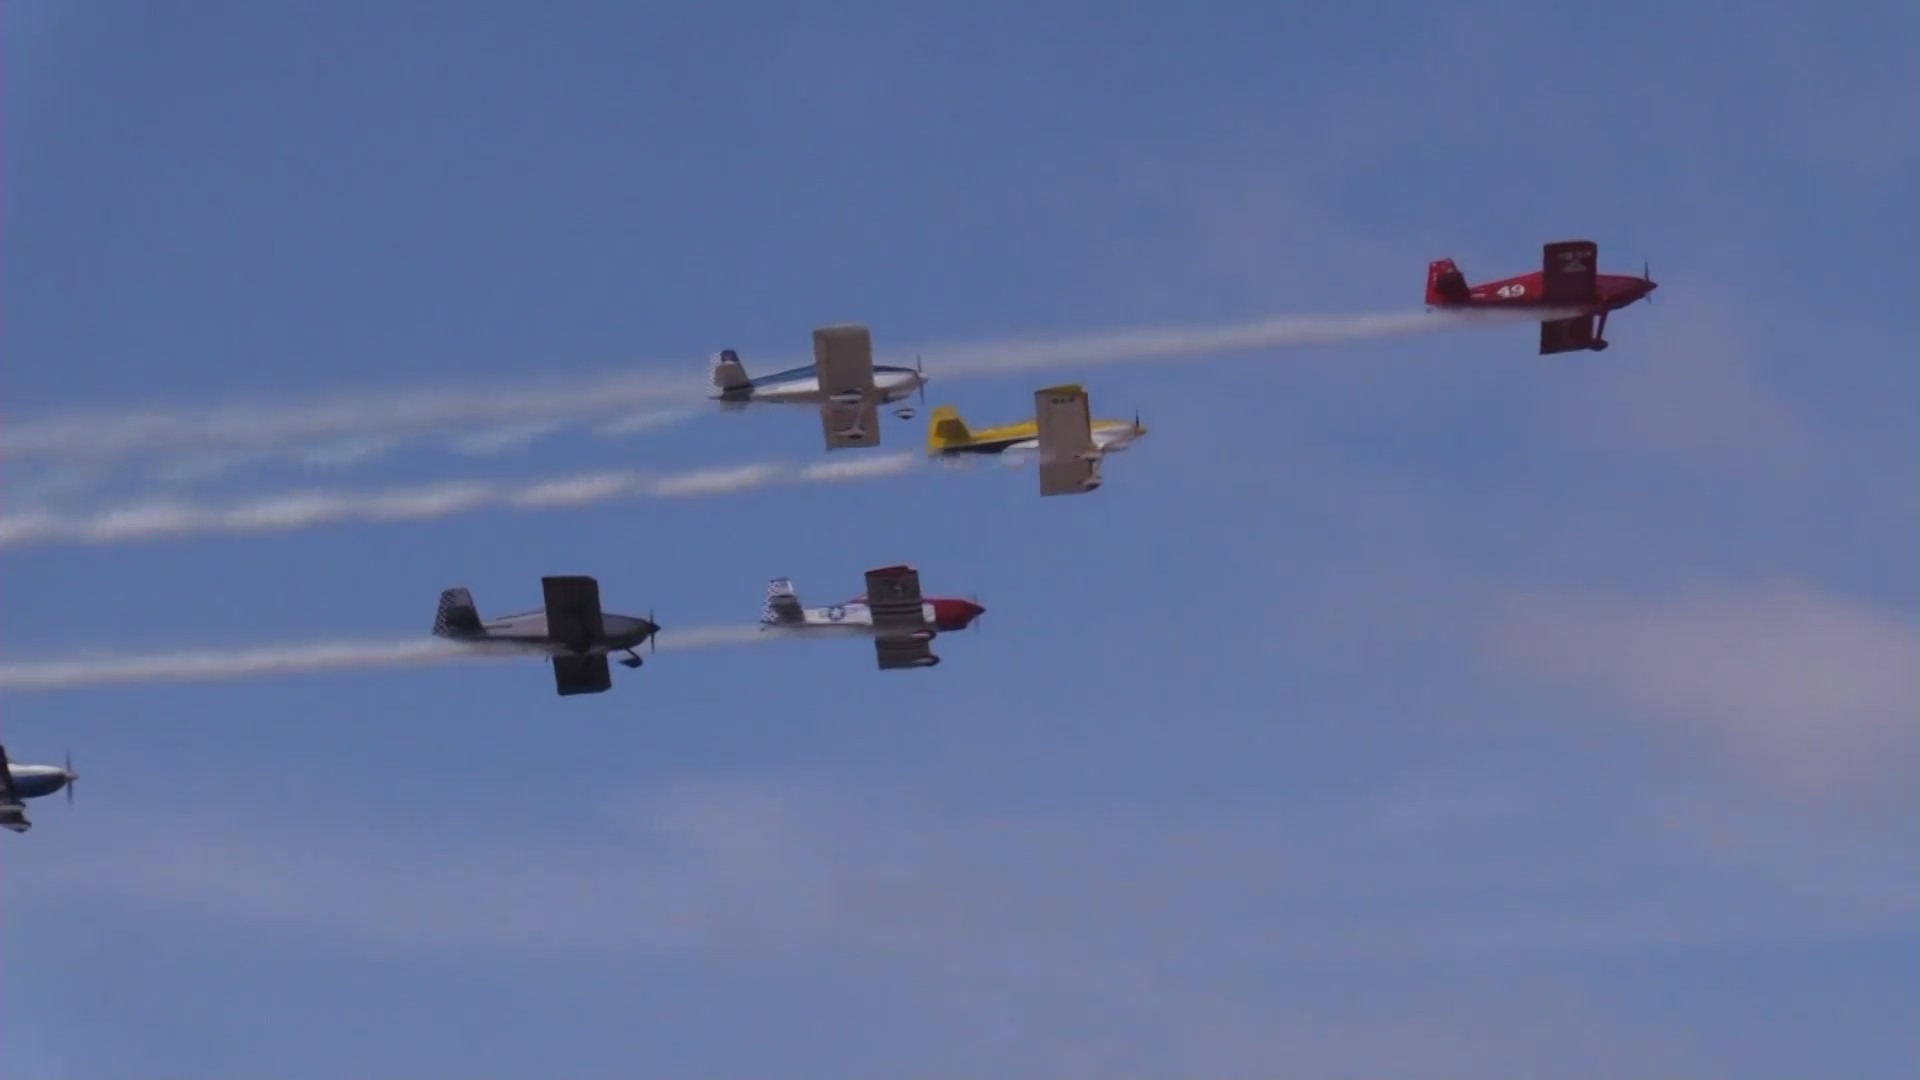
(1445, 283)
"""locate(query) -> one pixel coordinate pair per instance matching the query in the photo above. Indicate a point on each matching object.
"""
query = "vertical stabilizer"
(945, 430)
(729, 376)
(1445, 283)
(456, 616)
(782, 606)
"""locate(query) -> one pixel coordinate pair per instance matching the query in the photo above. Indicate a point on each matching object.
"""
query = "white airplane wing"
(13, 813)
(893, 596)
(843, 362)
(1068, 462)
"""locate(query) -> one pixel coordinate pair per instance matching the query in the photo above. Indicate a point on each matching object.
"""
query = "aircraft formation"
(1567, 295)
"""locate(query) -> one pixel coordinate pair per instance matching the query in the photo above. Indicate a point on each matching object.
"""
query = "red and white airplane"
(1566, 294)
(891, 611)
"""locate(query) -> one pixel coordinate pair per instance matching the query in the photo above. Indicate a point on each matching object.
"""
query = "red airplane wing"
(1567, 272)
(1566, 335)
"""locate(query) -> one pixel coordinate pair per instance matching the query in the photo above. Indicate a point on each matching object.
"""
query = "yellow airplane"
(1068, 441)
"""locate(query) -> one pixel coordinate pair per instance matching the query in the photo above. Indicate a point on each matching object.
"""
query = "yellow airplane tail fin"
(945, 429)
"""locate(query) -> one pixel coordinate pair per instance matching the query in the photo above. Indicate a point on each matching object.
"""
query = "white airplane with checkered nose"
(571, 629)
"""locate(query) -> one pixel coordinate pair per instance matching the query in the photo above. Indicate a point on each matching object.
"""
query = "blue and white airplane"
(843, 381)
(19, 782)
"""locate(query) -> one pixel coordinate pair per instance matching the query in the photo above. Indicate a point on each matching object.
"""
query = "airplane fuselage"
(527, 633)
(1109, 437)
(1524, 294)
(37, 781)
(801, 386)
(943, 615)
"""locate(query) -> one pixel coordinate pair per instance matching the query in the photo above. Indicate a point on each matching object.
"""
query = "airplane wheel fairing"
(1600, 346)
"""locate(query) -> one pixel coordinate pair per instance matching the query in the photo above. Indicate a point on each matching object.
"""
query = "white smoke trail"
(221, 665)
(644, 421)
(488, 442)
(604, 397)
(354, 451)
(163, 520)
(200, 467)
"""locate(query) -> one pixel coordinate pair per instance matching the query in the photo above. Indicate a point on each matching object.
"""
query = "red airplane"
(1566, 293)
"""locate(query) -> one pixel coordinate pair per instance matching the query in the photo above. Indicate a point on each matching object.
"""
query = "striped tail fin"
(782, 606)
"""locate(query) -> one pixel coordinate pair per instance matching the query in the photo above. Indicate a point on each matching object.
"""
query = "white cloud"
(1819, 691)
(792, 875)
(1689, 391)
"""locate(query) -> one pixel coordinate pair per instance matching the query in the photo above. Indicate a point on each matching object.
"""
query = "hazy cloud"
(1819, 691)
(760, 871)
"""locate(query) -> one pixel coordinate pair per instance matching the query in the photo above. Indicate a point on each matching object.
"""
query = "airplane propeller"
(1646, 275)
(653, 636)
(71, 778)
(905, 412)
(974, 599)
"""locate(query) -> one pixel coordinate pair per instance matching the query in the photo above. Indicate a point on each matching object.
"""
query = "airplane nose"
(974, 611)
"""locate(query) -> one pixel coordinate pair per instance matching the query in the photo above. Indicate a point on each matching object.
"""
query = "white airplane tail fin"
(456, 616)
(729, 376)
(782, 605)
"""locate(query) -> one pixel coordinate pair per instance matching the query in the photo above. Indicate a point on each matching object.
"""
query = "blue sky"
(1409, 706)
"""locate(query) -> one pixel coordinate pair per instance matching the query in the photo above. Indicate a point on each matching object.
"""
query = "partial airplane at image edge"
(21, 782)
(1567, 292)
(843, 381)
(892, 611)
(569, 628)
(1069, 443)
